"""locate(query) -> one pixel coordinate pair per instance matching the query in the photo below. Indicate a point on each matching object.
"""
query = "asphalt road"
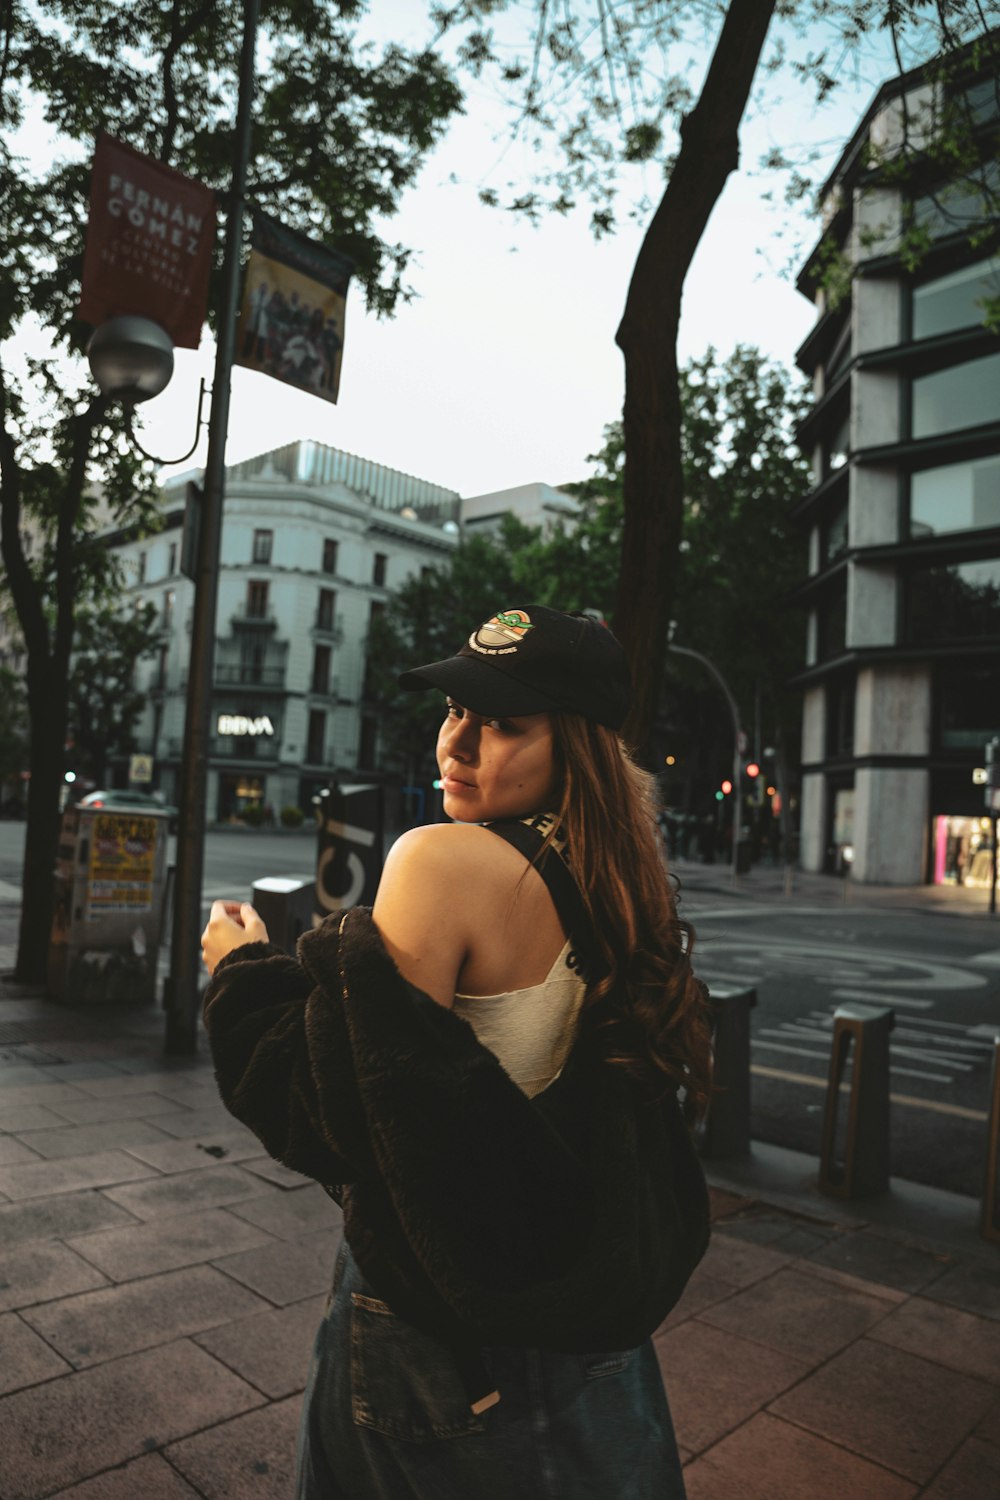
(940, 973)
(941, 976)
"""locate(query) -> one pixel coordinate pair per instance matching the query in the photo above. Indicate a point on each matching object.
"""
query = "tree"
(340, 132)
(589, 80)
(104, 703)
(13, 740)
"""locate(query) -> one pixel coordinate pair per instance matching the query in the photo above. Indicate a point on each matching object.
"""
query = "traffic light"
(753, 769)
(727, 787)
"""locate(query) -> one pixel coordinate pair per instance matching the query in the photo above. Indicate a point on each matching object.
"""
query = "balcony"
(236, 675)
(330, 626)
(245, 618)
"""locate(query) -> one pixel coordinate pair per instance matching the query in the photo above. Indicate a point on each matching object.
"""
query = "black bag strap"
(562, 887)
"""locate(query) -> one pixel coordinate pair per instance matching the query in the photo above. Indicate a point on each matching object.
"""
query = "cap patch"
(501, 635)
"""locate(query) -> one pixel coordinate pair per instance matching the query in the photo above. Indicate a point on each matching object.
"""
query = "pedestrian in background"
(493, 1072)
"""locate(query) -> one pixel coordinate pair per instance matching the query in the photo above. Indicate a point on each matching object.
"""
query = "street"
(941, 974)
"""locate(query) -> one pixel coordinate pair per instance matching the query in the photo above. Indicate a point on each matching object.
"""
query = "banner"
(292, 318)
(149, 243)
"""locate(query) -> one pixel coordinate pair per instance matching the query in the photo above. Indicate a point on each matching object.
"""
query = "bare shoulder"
(448, 853)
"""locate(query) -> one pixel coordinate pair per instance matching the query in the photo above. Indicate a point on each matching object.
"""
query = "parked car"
(126, 797)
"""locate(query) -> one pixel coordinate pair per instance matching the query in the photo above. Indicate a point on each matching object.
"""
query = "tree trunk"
(48, 732)
(647, 337)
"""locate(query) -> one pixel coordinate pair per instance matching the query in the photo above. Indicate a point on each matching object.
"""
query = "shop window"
(831, 620)
(968, 706)
(329, 555)
(956, 497)
(954, 604)
(316, 741)
(961, 396)
(262, 544)
(840, 695)
(321, 669)
(833, 537)
(325, 609)
(257, 599)
(954, 301)
(379, 566)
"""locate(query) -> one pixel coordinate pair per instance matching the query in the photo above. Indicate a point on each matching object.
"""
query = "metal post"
(989, 1223)
(993, 870)
(735, 714)
(725, 1131)
(864, 1166)
(181, 992)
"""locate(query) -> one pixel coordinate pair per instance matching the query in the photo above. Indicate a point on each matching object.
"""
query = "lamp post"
(737, 734)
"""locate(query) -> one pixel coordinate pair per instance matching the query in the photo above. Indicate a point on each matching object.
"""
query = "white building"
(312, 540)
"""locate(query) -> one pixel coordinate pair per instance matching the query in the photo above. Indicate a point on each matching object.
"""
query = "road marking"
(990, 1030)
(717, 976)
(9, 892)
(872, 997)
(988, 960)
(936, 1106)
(795, 1051)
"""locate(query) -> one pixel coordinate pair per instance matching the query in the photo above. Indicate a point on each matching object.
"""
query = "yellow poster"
(122, 859)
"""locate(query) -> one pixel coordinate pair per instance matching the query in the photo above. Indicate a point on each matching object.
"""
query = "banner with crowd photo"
(149, 243)
(292, 317)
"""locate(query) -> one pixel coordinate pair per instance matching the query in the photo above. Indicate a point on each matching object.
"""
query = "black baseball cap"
(535, 660)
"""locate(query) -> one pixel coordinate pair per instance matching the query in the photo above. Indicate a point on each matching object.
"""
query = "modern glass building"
(902, 680)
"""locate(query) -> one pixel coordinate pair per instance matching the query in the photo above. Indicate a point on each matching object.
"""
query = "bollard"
(725, 1130)
(285, 905)
(865, 1165)
(989, 1223)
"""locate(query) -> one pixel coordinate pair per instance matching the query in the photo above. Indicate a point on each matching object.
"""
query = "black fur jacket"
(570, 1221)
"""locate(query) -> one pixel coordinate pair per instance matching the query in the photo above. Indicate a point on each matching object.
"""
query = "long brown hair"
(648, 1000)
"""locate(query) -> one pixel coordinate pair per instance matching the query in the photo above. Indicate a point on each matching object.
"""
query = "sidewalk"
(160, 1281)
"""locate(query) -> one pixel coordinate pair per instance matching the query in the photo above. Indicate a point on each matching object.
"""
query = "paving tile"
(270, 1349)
(733, 1260)
(721, 1203)
(770, 1460)
(188, 1156)
(716, 1380)
(17, 1116)
(127, 1082)
(250, 1458)
(946, 1334)
(285, 1271)
(150, 1476)
(87, 1140)
(46, 1178)
(701, 1291)
(71, 1429)
(57, 1218)
(98, 1326)
(800, 1315)
(25, 1359)
(989, 1427)
(33, 1091)
(202, 1122)
(973, 1474)
(77, 1072)
(893, 1408)
(878, 1258)
(38, 1273)
(185, 1191)
(890, 1294)
(976, 1288)
(115, 1107)
(169, 1243)
(291, 1214)
(14, 1153)
(276, 1172)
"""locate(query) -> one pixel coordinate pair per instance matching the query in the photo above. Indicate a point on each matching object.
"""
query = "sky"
(504, 369)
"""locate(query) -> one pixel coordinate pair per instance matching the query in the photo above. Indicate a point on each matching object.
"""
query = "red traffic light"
(753, 769)
(727, 787)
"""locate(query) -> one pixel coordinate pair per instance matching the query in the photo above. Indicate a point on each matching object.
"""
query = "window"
(262, 543)
(321, 669)
(954, 604)
(378, 569)
(168, 609)
(962, 396)
(376, 610)
(367, 748)
(252, 659)
(956, 497)
(316, 743)
(837, 446)
(968, 706)
(954, 301)
(831, 620)
(840, 717)
(257, 599)
(140, 564)
(325, 609)
(329, 555)
(959, 205)
(833, 536)
(172, 560)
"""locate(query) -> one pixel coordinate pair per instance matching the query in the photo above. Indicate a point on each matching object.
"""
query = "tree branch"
(24, 589)
(83, 428)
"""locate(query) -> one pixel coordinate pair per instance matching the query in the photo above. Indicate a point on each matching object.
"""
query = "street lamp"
(132, 360)
(737, 737)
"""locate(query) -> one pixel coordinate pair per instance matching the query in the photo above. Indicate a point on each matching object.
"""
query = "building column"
(892, 803)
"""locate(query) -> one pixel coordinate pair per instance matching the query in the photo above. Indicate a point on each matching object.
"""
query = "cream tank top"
(530, 1031)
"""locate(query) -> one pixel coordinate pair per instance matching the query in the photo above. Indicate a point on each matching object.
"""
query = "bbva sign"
(238, 724)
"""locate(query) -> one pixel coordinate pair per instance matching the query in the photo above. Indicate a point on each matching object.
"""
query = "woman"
(485, 1072)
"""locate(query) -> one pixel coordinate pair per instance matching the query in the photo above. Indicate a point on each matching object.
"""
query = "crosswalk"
(919, 1047)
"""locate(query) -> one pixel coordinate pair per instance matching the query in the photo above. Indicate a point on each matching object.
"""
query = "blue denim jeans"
(385, 1416)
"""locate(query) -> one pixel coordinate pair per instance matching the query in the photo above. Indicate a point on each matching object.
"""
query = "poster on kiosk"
(110, 886)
